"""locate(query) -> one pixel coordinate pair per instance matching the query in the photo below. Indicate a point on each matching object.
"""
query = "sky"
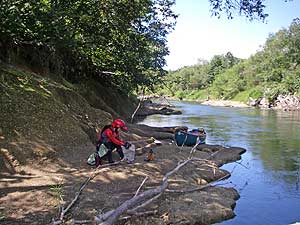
(198, 35)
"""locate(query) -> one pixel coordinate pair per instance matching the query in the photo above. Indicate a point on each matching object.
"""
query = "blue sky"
(197, 35)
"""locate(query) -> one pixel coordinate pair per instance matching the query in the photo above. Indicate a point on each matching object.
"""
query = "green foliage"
(244, 96)
(229, 83)
(255, 93)
(200, 76)
(198, 94)
(273, 70)
(220, 63)
(57, 191)
(125, 38)
(24, 82)
(252, 9)
(2, 216)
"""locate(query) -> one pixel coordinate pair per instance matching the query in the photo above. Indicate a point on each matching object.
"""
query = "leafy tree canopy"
(252, 9)
(125, 38)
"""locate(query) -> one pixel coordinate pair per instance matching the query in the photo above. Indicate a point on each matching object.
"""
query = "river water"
(268, 176)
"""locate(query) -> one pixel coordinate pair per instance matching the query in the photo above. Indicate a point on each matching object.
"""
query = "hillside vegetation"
(272, 71)
(68, 67)
(48, 116)
(120, 41)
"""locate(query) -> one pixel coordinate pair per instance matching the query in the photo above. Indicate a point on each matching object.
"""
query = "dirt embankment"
(48, 129)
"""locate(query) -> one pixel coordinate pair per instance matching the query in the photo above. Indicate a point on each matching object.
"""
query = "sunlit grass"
(245, 95)
(57, 191)
(2, 216)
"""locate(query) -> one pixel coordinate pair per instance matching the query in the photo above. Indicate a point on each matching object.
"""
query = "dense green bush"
(122, 40)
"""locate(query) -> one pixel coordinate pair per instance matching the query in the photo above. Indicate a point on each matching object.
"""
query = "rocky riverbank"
(190, 196)
(281, 102)
(148, 108)
(48, 130)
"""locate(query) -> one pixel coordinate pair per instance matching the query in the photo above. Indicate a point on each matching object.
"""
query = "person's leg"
(109, 156)
(110, 147)
(97, 157)
(98, 160)
(120, 152)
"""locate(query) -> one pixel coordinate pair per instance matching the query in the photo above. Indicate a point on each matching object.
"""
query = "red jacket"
(109, 135)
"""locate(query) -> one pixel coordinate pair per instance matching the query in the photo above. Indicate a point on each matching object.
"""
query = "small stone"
(201, 181)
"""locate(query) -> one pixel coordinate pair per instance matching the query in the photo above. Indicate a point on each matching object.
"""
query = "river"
(267, 177)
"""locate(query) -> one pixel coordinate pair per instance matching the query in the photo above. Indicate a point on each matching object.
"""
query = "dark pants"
(111, 146)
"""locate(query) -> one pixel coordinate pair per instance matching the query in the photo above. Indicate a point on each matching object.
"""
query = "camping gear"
(92, 159)
(129, 153)
(190, 138)
(101, 152)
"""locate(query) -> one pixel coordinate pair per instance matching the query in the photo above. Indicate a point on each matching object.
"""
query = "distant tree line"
(273, 70)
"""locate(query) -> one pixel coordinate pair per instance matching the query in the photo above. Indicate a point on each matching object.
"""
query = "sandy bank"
(225, 103)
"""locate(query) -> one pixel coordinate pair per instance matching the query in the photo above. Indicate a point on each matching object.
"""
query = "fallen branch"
(73, 222)
(139, 214)
(113, 216)
(139, 105)
(194, 149)
(141, 186)
(240, 163)
(144, 204)
(92, 176)
(197, 188)
(143, 199)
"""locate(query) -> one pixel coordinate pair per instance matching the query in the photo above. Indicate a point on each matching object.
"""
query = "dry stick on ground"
(132, 211)
(153, 196)
(73, 222)
(111, 216)
(139, 214)
(194, 148)
(197, 188)
(185, 138)
(65, 210)
(102, 219)
(138, 190)
(137, 108)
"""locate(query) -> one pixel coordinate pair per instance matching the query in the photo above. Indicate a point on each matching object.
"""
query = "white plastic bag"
(129, 154)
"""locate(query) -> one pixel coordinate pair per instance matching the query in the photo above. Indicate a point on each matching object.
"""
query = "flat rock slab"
(35, 196)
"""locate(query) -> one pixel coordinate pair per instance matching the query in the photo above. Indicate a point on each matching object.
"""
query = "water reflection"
(269, 193)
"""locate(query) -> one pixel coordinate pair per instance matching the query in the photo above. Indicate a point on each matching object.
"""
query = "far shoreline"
(224, 103)
(289, 103)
